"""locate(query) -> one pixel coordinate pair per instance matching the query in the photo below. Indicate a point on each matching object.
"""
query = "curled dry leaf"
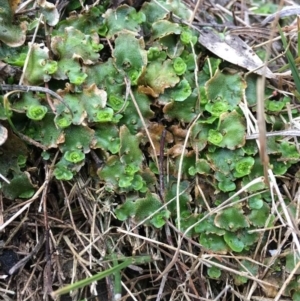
(234, 50)
(3, 134)
(14, 4)
(50, 12)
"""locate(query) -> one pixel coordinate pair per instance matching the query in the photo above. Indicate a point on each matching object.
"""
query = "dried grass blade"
(291, 60)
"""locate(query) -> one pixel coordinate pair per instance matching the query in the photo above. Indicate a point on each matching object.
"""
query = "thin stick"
(285, 211)
(30, 50)
(260, 88)
(199, 2)
(207, 262)
(161, 164)
(6, 87)
(29, 202)
(295, 133)
(23, 261)
(127, 82)
(287, 281)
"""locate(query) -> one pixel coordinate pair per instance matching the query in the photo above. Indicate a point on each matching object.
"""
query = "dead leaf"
(234, 50)
(14, 4)
(3, 134)
(155, 131)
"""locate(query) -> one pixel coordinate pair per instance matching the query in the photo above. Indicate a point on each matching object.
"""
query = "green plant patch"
(112, 172)
(208, 226)
(131, 117)
(129, 147)
(245, 266)
(173, 48)
(256, 202)
(184, 111)
(106, 76)
(61, 172)
(74, 156)
(201, 167)
(164, 28)
(87, 22)
(258, 217)
(214, 137)
(232, 129)
(36, 112)
(187, 37)
(130, 55)
(211, 67)
(45, 131)
(146, 206)
(289, 151)
(184, 197)
(138, 101)
(119, 175)
(181, 92)
(229, 87)
(156, 54)
(77, 138)
(243, 167)
(158, 77)
(234, 242)
(40, 67)
(217, 108)
(71, 47)
(292, 260)
(125, 211)
(187, 220)
(226, 185)
(10, 152)
(107, 138)
(224, 160)
(16, 58)
(231, 219)
(76, 105)
(199, 136)
(26, 100)
(179, 66)
(124, 19)
(10, 34)
(214, 272)
(214, 242)
(20, 187)
(141, 209)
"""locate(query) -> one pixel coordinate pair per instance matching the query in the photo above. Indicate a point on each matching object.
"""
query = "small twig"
(4, 179)
(205, 261)
(286, 11)
(215, 210)
(23, 261)
(30, 49)
(223, 292)
(31, 141)
(47, 269)
(161, 287)
(263, 154)
(33, 272)
(195, 10)
(180, 238)
(28, 203)
(295, 133)
(161, 163)
(285, 210)
(98, 161)
(6, 87)
(128, 85)
(287, 281)
(152, 214)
